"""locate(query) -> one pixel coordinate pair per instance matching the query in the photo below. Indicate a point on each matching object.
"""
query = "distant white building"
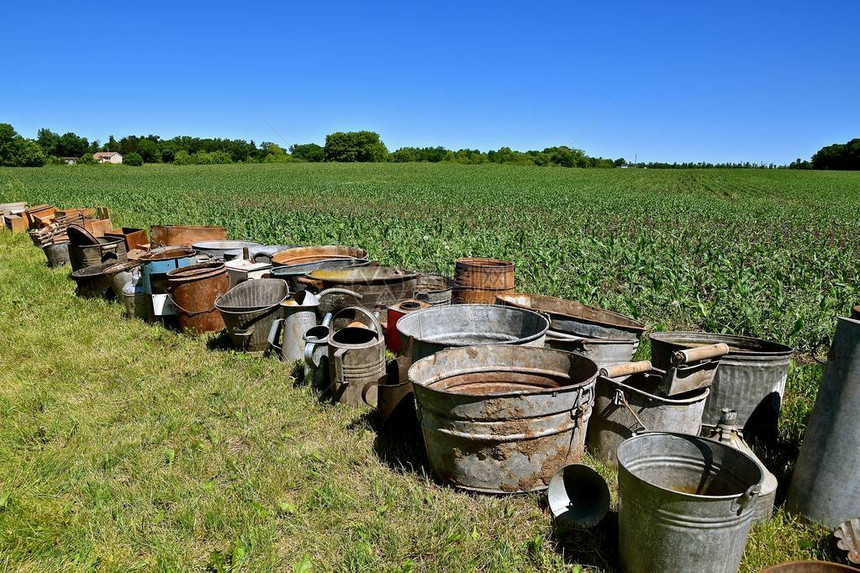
(107, 157)
(69, 160)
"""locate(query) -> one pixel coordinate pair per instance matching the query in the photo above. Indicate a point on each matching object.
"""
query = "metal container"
(107, 250)
(824, 487)
(57, 254)
(356, 359)
(158, 262)
(293, 273)
(435, 289)
(685, 504)
(307, 255)
(137, 303)
(299, 313)
(575, 318)
(809, 567)
(750, 379)
(193, 290)
(184, 235)
(502, 419)
(224, 250)
(480, 280)
(597, 349)
(122, 273)
(248, 310)
(316, 355)
(264, 253)
(625, 406)
(432, 329)
(92, 282)
(395, 313)
(578, 497)
(378, 286)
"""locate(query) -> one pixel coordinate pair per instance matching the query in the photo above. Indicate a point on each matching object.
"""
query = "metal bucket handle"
(620, 399)
(311, 346)
(185, 310)
(376, 325)
(274, 335)
(747, 499)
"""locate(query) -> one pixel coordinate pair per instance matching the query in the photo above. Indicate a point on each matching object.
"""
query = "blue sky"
(673, 81)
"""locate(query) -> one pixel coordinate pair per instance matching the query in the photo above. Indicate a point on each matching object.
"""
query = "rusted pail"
(107, 250)
(809, 567)
(93, 282)
(825, 487)
(193, 291)
(57, 254)
(625, 406)
(577, 319)
(432, 329)
(479, 280)
(356, 358)
(751, 377)
(502, 419)
(685, 504)
(248, 310)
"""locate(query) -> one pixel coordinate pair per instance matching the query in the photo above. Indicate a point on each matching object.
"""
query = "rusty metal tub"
(503, 419)
(378, 286)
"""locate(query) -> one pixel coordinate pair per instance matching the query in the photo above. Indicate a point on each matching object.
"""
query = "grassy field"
(126, 446)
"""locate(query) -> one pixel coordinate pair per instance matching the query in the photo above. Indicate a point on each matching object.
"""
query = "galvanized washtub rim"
(336, 252)
(427, 361)
(686, 338)
(621, 320)
(418, 314)
(226, 245)
(365, 275)
(687, 437)
(167, 252)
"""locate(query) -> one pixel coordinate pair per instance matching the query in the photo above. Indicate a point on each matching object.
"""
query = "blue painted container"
(158, 262)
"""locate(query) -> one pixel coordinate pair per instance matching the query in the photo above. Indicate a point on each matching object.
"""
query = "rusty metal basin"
(503, 419)
(305, 255)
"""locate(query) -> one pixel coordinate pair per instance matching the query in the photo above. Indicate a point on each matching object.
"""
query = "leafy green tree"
(307, 152)
(72, 145)
(133, 159)
(845, 156)
(361, 146)
(182, 158)
(15, 151)
(148, 150)
(87, 159)
(48, 141)
(30, 154)
(112, 144)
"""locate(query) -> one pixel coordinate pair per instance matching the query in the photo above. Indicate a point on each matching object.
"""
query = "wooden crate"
(98, 227)
(134, 238)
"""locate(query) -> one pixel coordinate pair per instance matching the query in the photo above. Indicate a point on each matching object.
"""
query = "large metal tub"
(184, 235)
(502, 419)
(825, 486)
(106, 251)
(600, 350)
(433, 329)
(305, 255)
(224, 250)
(378, 286)
(572, 317)
(751, 377)
(685, 504)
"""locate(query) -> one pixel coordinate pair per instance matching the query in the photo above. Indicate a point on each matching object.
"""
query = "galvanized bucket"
(432, 329)
(122, 273)
(92, 282)
(108, 250)
(825, 486)
(751, 377)
(435, 289)
(502, 419)
(249, 309)
(685, 504)
(57, 254)
(137, 302)
(578, 497)
(299, 314)
(626, 406)
(597, 349)
(356, 359)
(193, 291)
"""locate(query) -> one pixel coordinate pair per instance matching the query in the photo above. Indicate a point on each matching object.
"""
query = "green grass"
(126, 446)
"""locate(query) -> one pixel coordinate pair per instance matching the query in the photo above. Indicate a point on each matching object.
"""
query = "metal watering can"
(316, 355)
(356, 358)
(300, 313)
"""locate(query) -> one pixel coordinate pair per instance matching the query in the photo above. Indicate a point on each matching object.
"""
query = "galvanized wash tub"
(751, 377)
(108, 250)
(432, 329)
(305, 255)
(249, 309)
(292, 273)
(378, 286)
(685, 504)
(571, 317)
(224, 250)
(502, 419)
(627, 405)
(599, 350)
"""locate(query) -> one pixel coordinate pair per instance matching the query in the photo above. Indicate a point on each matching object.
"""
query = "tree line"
(355, 146)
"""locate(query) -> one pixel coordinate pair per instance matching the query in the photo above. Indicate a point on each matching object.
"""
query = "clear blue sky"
(669, 81)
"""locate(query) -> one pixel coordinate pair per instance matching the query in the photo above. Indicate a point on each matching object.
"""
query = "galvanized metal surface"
(685, 504)
(750, 378)
(57, 254)
(263, 254)
(248, 310)
(158, 262)
(223, 249)
(435, 289)
(92, 282)
(122, 273)
(379, 286)
(572, 317)
(625, 406)
(316, 355)
(356, 359)
(193, 290)
(292, 273)
(306, 255)
(809, 567)
(596, 349)
(727, 432)
(299, 313)
(848, 539)
(184, 235)
(502, 419)
(825, 486)
(578, 497)
(107, 250)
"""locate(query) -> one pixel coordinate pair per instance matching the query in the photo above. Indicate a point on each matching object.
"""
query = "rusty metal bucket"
(480, 280)
(809, 567)
(93, 282)
(248, 310)
(502, 419)
(432, 329)
(685, 504)
(57, 254)
(193, 291)
(108, 250)
(751, 377)
(824, 487)
(356, 358)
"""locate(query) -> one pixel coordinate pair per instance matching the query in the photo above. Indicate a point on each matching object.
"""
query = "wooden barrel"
(479, 280)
